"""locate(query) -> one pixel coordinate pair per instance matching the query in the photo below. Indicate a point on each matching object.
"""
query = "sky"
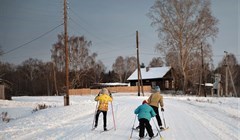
(198, 118)
(29, 28)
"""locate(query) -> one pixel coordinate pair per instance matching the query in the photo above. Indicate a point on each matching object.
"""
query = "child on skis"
(103, 98)
(145, 113)
(154, 100)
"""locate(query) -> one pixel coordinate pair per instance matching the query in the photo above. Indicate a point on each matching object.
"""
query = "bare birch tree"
(156, 62)
(124, 67)
(84, 67)
(118, 67)
(183, 26)
(58, 53)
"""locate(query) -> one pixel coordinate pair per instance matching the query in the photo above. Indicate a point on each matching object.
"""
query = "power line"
(105, 41)
(23, 45)
(91, 33)
(80, 18)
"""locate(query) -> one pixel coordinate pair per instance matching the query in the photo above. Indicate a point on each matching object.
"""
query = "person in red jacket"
(103, 98)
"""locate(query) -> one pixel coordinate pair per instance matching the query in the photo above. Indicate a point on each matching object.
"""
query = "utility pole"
(230, 74)
(203, 77)
(140, 82)
(226, 75)
(138, 65)
(66, 97)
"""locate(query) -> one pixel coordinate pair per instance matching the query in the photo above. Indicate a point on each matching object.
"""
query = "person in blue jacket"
(145, 113)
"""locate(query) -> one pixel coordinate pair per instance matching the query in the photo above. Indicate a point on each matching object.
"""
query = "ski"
(106, 130)
(164, 129)
(143, 137)
(153, 137)
(135, 129)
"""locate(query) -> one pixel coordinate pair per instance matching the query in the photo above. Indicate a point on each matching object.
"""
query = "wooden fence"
(2, 92)
(123, 89)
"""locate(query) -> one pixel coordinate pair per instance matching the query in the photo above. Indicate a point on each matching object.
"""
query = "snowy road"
(189, 118)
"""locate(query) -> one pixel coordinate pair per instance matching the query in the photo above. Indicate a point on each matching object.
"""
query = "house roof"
(151, 73)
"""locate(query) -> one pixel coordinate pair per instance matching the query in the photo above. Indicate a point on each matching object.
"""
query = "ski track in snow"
(211, 117)
(187, 118)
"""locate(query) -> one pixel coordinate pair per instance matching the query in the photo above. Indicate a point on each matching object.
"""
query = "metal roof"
(150, 73)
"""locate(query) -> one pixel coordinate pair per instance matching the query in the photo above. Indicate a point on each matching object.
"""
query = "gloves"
(162, 109)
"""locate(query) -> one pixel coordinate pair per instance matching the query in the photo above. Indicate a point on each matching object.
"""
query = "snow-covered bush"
(5, 117)
(40, 107)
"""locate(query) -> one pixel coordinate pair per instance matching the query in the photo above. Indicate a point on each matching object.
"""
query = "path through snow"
(188, 118)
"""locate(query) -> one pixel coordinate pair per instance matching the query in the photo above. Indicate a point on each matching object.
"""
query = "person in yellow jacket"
(103, 98)
(154, 100)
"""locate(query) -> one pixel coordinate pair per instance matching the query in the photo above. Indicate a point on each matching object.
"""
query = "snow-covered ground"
(188, 118)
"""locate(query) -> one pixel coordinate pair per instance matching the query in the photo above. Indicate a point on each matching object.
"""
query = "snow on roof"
(151, 73)
(208, 84)
(114, 84)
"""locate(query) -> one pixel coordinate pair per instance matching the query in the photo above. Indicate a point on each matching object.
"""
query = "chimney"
(147, 69)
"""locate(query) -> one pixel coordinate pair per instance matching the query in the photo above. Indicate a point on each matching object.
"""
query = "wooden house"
(155, 76)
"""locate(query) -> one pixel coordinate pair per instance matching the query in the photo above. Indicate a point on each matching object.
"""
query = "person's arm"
(136, 111)
(110, 99)
(110, 94)
(161, 103)
(149, 99)
(97, 97)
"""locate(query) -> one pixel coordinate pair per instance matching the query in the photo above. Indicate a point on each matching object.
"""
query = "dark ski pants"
(144, 123)
(157, 116)
(104, 118)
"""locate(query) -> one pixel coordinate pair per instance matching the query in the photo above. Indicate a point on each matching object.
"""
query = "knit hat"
(144, 102)
(156, 89)
(104, 91)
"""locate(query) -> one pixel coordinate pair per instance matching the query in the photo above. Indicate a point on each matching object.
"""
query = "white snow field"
(188, 118)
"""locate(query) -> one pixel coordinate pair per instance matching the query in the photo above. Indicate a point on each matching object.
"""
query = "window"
(153, 84)
(166, 84)
(173, 85)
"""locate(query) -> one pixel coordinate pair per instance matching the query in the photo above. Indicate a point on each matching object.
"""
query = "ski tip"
(164, 129)
(161, 138)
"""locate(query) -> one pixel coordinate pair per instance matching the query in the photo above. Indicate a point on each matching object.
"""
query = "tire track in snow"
(181, 124)
(217, 125)
(65, 121)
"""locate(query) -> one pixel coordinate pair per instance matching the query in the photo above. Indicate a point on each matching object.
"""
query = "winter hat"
(144, 102)
(157, 89)
(104, 91)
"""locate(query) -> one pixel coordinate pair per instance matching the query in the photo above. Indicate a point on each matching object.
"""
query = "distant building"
(101, 85)
(155, 76)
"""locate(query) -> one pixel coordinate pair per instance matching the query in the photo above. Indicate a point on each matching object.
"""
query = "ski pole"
(161, 138)
(94, 117)
(164, 120)
(133, 127)
(113, 117)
